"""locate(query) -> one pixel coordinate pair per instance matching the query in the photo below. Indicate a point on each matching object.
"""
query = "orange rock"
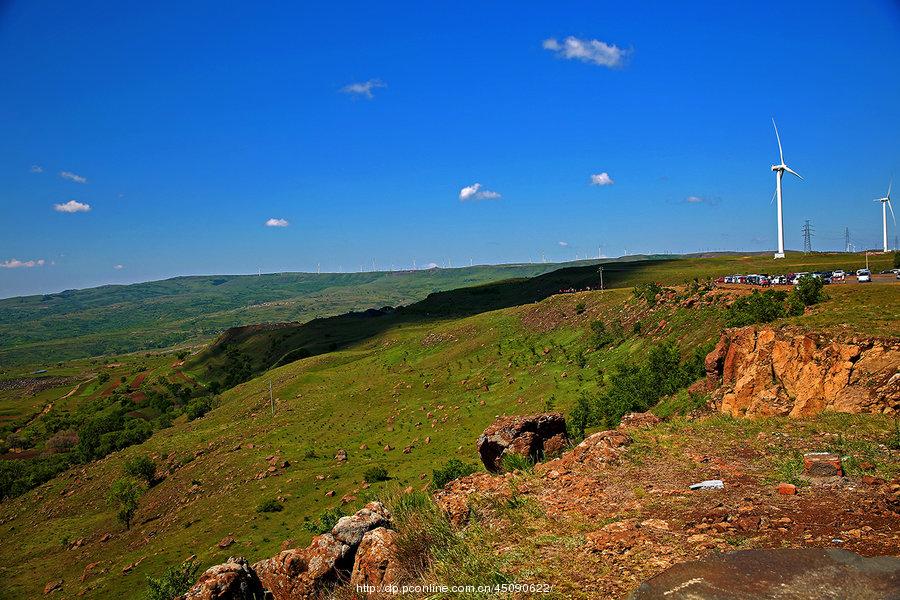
(787, 489)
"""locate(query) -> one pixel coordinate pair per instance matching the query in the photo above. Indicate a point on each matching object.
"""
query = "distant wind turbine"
(885, 204)
(779, 173)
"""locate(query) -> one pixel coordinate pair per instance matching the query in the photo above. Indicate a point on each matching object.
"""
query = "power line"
(847, 242)
(807, 237)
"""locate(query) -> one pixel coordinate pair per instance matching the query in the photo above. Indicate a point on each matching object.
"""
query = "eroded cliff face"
(760, 371)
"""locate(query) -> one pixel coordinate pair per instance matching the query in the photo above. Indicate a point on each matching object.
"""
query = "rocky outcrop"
(350, 530)
(534, 436)
(232, 580)
(802, 574)
(376, 559)
(301, 573)
(761, 371)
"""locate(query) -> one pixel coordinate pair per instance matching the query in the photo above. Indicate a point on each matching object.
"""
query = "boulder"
(822, 464)
(601, 447)
(376, 559)
(531, 436)
(638, 420)
(307, 572)
(351, 529)
(798, 574)
(231, 580)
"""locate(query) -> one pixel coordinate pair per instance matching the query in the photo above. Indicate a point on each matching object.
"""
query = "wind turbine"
(885, 204)
(779, 173)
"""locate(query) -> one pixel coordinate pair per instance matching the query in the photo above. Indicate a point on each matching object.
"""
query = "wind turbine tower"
(779, 173)
(885, 204)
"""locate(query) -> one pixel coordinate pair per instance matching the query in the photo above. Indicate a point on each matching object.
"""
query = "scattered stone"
(53, 586)
(341, 455)
(639, 420)
(225, 542)
(329, 494)
(787, 489)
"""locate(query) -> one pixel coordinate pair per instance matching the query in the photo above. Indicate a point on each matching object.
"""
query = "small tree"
(897, 260)
(809, 290)
(124, 495)
(141, 467)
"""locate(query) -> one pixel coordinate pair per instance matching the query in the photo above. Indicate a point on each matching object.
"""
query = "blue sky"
(193, 124)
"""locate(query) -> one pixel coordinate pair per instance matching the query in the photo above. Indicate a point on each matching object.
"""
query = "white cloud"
(118, 267)
(601, 179)
(589, 51)
(37, 169)
(432, 265)
(563, 244)
(474, 192)
(694, 200)
(363, 88)
(15, 263)
(277, 223)
(72, 177)
(72, 206)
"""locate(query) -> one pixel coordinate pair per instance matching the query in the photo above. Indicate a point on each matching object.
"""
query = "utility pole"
(601, 278)
(846, 239)
(807, 237)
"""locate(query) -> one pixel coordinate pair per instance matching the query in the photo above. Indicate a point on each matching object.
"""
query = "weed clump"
(269, 506)
(375, 474)
(175, 581)
(454, 469)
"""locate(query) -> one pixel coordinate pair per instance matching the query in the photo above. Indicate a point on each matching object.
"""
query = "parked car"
(838, 275)
(779, 280)
(797, 276)
(863, 276)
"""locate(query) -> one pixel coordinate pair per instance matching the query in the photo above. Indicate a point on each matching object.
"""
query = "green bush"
(198, 407)
(897, 260)
(602, 336)
(580, 308)
(141, 467)
(375, 474)
(269, 506)
(327, 520)
(124, 496)
(175, 581)
(647, 292)
(810, 290)
(19, 476)
(453, 469)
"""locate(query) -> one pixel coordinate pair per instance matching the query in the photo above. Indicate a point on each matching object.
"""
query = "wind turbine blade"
(892, 213)
(775, 193)
(792, 172)
(777, 137)
(889, 186)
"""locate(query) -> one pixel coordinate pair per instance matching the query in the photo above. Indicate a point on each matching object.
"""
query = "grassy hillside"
(428, 382)
(244, 352)
(123, 318)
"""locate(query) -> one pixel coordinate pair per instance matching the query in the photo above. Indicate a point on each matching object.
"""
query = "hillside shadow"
(242, 353)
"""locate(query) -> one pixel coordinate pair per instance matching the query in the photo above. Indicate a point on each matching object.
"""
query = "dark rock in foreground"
(787, 574)
(535, 437)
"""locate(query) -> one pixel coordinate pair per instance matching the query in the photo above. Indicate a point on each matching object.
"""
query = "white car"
(838, 275)
(863, 276)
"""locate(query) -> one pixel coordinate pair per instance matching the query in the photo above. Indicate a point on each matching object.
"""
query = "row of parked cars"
(862, 276)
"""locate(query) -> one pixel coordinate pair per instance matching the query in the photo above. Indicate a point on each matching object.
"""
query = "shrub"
(198, 407)
(580, 417)
(62, 441)
(124, 496)
(603, 336)
(375, 474)
(269, 506)
(327, 520)
(580, 308)
(141, 467)
(647, 292)
(453, 469)
(897, 260)
(809, 290)
(175, 581)
(758, 307)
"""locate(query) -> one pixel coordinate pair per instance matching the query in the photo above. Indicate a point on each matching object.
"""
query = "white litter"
(709, 484)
